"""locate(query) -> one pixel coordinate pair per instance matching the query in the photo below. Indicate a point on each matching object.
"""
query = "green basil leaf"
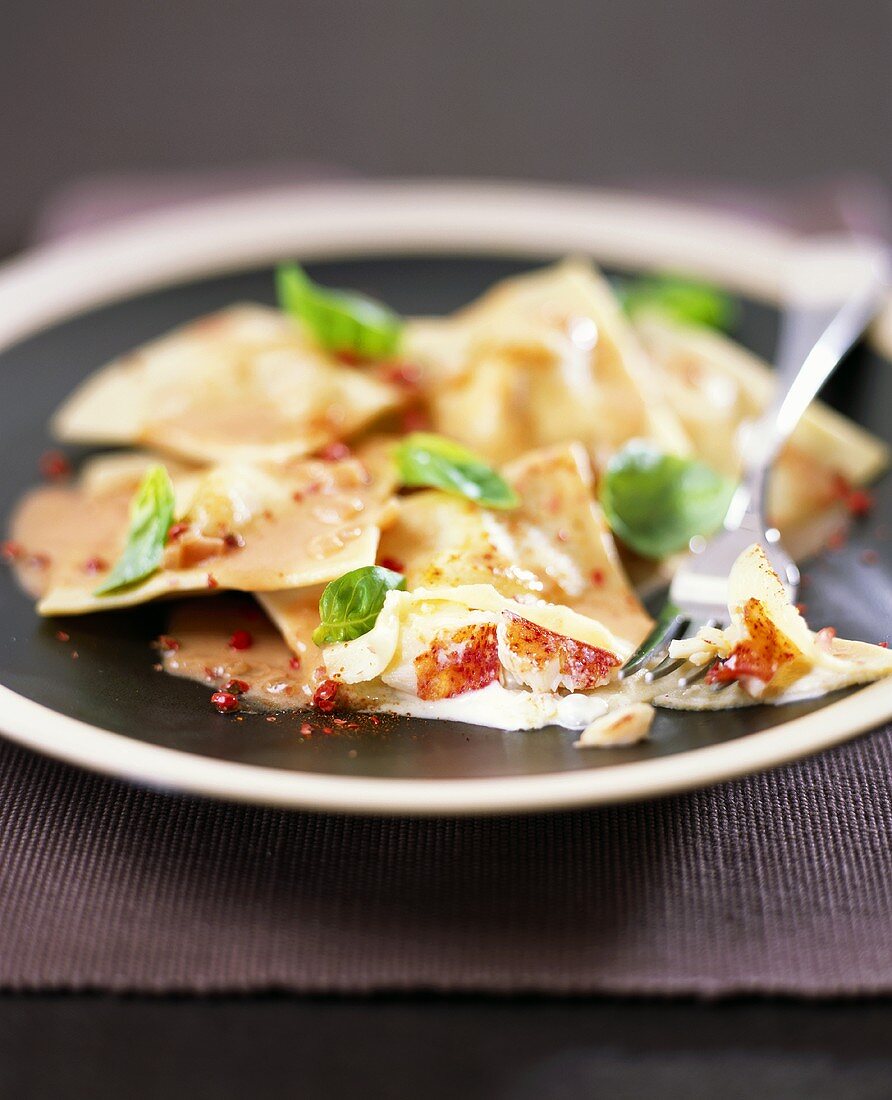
(684, 300)
(423, 458)
(339, 320)
(656, 502)
(151, 514)
(351, 604)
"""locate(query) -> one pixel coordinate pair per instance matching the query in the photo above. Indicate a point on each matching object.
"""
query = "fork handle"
(814, 338)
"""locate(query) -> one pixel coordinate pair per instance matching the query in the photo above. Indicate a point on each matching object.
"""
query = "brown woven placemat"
(781, 883)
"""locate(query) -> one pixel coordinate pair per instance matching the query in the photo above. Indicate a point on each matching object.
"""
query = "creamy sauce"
(63, 536)
(69, 536)
(54, 517)
(202, 629)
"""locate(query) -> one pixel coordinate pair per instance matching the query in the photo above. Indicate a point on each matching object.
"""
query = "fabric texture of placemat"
(780, 883)
(776, 884)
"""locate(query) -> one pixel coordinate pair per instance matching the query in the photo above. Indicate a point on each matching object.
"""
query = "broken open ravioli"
(768, 653)
(469, 653)
(540, 359)
(244, 384)
(243, 526)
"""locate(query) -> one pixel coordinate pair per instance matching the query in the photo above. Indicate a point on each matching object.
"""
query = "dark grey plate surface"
(111, 685)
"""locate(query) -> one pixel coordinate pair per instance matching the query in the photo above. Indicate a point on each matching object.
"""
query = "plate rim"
(51, 283)
(173, 771)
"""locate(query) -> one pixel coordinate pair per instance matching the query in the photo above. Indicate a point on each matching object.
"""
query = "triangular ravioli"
(240, 526)
(244, 384)
(555, 547)
(432, 647)
(295, 615)
(716, 387)
(538, 360)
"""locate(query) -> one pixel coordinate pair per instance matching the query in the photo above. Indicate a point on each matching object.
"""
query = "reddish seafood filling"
(465, 660)
(757, 657)
(582, 666)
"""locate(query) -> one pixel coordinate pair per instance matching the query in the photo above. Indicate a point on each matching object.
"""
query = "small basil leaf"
(684, 300)
(423, 458)
(339, 320)
(351, 604)
(656, 502)
(151, 514)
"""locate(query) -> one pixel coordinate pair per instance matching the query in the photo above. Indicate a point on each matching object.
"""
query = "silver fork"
(832, 289)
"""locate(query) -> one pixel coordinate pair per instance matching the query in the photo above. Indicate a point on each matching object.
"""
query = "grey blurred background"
(593, 91)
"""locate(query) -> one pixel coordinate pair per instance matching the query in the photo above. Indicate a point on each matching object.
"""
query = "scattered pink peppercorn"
(324, 696)
(225, 701)
(54, 465)
(11, 550)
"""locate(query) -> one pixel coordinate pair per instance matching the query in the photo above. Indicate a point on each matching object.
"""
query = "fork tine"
(669, 625)
(665, 668)
(697, 674)
(670, 665)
